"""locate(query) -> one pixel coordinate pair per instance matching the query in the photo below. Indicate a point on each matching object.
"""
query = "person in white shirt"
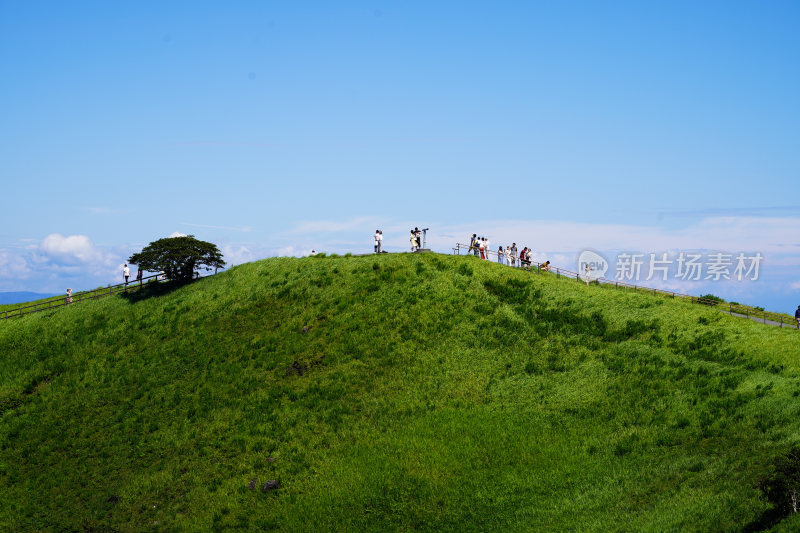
(486, 245)
(378, 241)
(508, 256)
(126, 273)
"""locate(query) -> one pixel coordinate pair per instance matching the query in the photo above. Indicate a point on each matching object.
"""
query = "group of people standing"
(415, 238)
(510, 255)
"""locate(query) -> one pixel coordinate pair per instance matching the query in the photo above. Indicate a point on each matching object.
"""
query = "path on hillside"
(762, 320)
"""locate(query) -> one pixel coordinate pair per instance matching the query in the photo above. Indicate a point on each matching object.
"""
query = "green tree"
(178, 257)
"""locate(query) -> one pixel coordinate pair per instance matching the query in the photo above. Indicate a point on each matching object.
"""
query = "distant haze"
(21, 297)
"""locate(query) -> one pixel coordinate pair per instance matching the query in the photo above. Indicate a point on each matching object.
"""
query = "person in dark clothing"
(797, 316)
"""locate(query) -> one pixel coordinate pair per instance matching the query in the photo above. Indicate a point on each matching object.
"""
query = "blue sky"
(275, 128)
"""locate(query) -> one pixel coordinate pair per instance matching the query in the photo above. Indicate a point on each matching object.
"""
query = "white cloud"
(13, 266)
(733, 234)
(795, 285)
(177, 234)
(292, 251)
(236, 256)
(70, 250)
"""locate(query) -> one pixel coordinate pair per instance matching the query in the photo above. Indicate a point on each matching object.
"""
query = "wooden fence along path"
(79, 297)
(738, 310)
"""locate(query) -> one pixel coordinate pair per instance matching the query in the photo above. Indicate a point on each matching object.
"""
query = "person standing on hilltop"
(378, 241)
(413, 239)
(797, 316)
(126, 273)
(482, 247)
(486, 245)
(513, 254)
(472, 243)
(139, 274)
(69, 296)
(500, 255)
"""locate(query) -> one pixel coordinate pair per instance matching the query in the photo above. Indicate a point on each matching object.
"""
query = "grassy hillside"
(393, 393)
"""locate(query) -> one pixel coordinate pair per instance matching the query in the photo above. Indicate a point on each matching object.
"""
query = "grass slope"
(428, 392)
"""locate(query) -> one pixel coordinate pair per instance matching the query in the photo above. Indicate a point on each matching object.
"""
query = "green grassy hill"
(395, 392)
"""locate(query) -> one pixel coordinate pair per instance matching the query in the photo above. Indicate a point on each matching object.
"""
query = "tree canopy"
(178, 257)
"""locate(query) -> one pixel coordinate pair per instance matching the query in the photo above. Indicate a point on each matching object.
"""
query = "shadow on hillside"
(768, 519)
(151, 290)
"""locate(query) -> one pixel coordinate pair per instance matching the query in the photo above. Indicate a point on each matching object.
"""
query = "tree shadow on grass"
(768, 519)
(151, 290)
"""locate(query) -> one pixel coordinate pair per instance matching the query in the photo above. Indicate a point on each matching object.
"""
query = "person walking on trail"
(586, 269)
(500, 255)
(482, 247)
(69, 296)
(378, 241)
(126, 273)
(513, 254)
(797, 316)
(507, 255)
(139, 274)
(528, 253)
(486, 245)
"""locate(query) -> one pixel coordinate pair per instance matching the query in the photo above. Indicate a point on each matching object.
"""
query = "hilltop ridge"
(392, 392)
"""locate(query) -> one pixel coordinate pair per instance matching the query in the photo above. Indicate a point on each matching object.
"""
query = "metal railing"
(733, 309)
(79, 297)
